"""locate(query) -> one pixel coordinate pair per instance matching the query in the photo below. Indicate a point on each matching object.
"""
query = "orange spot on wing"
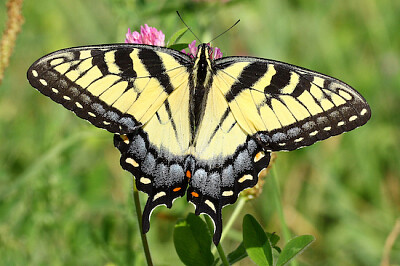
(194, 194)
(125, 138)
(188, 174)
(176, 189)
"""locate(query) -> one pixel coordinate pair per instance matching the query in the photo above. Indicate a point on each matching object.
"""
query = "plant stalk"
(238, 208)
(138, 209)
(278, 204)
(219, 247)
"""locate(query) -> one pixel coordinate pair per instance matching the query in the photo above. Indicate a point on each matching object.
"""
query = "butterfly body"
(199, 88)
(198, 126)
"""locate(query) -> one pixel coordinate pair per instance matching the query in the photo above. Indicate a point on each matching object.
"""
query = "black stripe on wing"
(250, 75)
(66, 75)
(43, 76)
(332, 106)
(155, 67)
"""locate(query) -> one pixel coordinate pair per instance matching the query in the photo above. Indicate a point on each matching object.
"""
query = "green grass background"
(65, 200)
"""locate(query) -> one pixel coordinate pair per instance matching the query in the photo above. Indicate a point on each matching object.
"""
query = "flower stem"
(233, 217)
(278, 204)
(139, 218)
(219, 247)
(238, 208)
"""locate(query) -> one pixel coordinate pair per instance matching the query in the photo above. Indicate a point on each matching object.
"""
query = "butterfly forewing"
(287, 107)
(109, 85)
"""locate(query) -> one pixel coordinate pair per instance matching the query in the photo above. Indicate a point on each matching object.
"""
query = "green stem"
(233, 217)
(238, 208)
(139, 218)
(278, 204)
(221, 252)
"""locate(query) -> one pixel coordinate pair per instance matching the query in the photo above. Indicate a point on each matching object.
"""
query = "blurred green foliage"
(64, 199)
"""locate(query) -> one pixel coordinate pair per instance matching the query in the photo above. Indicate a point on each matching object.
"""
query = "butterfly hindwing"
(286, 107)
(218, 181)
(213, 182)
(160, 175)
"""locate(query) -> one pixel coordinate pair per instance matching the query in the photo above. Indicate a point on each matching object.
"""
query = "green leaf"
(176, 37)
(278, 249)
(179, 46)
(256, 241)
(293, 248)
(238, 254)
(273, 239)
(192, 241)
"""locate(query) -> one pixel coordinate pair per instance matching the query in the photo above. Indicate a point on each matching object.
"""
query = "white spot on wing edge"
(66, 98)
(44, 83)
(34, 73)
(314, 133)
(91, 114)
(159, 195)
(327, 128)
(210, 204)
(341, 123)
(78, 105)
(145, 180)
(352, 118)
(298, 140)
(54, 90)
(131, 162)
(227, 193)
(363, 111)
(244, 178)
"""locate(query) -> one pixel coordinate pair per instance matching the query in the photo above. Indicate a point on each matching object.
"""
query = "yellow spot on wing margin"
(145, 180)
(227, 193)
(210, 204)
(132, 162)
(245, 177)
(44, 83)
(159, 195)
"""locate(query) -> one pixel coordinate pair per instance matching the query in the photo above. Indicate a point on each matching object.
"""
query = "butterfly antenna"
(226, 30)
(179, 15)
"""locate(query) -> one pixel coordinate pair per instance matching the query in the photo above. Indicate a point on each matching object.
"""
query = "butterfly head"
(203, 56)
(203, 64)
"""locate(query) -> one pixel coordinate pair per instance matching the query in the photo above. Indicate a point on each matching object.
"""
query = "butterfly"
(196, 126)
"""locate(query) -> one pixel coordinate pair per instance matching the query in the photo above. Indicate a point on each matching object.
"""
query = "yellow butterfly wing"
(286, 107)
(116, 87)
